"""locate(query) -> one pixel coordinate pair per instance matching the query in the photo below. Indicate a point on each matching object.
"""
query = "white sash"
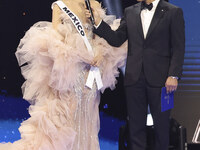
(94, 73)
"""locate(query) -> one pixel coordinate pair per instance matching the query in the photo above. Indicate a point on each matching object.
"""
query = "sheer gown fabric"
(64, 113)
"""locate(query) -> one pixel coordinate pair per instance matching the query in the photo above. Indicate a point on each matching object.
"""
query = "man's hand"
(171, 84)
(97, 17)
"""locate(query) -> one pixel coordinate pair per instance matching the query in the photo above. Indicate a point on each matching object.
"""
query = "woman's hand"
(98, 59)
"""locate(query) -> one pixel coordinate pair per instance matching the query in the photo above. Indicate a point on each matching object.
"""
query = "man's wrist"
(174, 77)
(96, 26)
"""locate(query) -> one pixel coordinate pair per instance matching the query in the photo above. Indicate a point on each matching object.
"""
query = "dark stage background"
(18, 16)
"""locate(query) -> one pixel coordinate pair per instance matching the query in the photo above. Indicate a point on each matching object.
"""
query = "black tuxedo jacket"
(161, 54)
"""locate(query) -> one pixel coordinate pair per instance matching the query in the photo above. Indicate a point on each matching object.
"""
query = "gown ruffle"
(64, 113)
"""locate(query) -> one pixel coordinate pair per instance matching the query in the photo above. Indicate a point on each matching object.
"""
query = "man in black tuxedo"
(156, 45)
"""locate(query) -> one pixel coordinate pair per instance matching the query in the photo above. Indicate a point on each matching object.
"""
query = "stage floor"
(108, 134)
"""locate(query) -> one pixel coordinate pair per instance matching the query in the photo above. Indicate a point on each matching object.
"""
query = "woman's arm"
(56, 17)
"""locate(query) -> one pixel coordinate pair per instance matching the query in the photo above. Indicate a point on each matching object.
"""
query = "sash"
(94, 73)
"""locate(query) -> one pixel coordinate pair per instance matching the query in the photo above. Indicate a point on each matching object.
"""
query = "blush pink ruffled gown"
(64, 113)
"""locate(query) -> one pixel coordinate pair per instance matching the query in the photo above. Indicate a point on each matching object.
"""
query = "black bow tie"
(144, 5)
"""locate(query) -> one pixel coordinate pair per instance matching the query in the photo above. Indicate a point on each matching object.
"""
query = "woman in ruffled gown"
(55, 63)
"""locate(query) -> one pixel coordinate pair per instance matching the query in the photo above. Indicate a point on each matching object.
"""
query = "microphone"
(87, 2)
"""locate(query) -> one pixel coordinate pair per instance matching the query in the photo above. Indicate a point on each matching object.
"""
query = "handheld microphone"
(87, 2)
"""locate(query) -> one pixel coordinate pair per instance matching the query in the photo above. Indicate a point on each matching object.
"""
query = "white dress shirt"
(146, 17)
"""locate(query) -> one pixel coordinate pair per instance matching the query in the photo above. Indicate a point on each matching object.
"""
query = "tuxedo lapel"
(160, 10)
(138, 19)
